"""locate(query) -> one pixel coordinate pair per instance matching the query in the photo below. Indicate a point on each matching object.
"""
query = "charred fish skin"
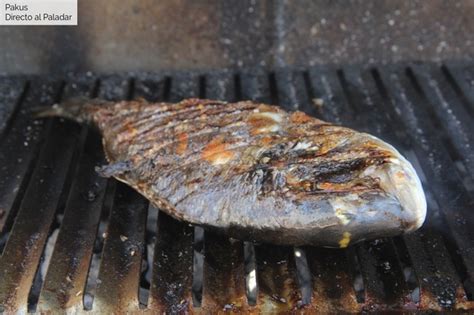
(256, 172)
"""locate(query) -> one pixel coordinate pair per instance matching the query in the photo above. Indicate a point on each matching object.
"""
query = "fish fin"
(114, 169)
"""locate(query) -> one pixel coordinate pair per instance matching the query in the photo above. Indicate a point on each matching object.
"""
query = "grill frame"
(399, 103)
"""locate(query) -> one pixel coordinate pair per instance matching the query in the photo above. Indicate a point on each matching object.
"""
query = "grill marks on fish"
(193, 129)
(219, 146)
(288, 163)
(164, 133)
(143, 112)
(335, 177)
(166, 119)
(212, 146)
(197, 137)
(315, 174)
(148, 142)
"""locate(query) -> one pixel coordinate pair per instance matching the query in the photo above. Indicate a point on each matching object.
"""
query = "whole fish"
(255, 171)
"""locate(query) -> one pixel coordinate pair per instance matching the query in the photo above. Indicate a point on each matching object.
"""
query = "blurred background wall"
(126, 35)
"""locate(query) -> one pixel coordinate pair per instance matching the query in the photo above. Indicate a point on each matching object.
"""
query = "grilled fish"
(255, 171)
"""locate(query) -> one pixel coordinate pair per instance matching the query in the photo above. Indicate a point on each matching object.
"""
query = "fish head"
(366, 190)
(398, 178)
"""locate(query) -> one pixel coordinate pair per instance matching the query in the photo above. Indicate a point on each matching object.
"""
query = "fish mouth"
(399, 179)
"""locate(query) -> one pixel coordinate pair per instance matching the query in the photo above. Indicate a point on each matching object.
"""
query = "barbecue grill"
(73, 241)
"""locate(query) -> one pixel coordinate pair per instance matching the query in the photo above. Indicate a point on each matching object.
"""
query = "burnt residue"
(170, 290)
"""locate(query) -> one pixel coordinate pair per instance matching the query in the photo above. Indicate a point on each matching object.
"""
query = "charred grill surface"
(431, 269)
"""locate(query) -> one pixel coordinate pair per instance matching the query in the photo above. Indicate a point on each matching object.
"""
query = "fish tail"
(73, 108)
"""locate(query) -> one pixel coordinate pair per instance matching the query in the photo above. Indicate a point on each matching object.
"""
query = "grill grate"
(111, 254)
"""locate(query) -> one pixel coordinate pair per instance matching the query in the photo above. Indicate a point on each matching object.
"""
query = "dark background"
(118, 35)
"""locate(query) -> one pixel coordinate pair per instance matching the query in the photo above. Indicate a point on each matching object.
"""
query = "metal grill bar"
(448, 110)
(16, 158)
(118, 283)
(67, 271)
(12, 93)
(276, 277)
(23, 250)
(447, 295)
(333, 289)
(120, 269)
(428, 270)
(153, 88)
(450, 193)
(461, 79)
(170, 289)
(448, 203)
(223, 275)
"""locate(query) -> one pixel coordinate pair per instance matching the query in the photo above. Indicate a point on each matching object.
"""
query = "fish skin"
(257, 172)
